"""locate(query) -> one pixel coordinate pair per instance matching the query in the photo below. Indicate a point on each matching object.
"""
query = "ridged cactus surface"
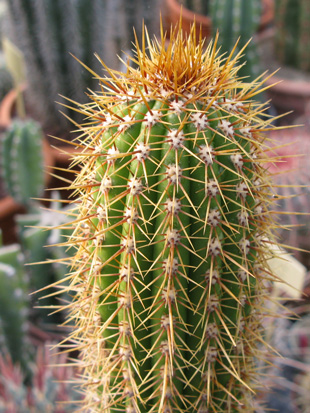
(22, 161)
(48, 32)
(238, 19)
(292, 35)
(171, 235)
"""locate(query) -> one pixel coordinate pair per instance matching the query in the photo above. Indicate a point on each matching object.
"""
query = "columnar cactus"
(236, 19)
(22, 161)
(48, 31)
(292, 37)
(14, 305)
(171, 234)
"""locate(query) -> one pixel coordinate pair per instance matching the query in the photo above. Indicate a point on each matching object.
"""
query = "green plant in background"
(6, 82)
(197, 6)
(22, 162)
(171, 234)
(47, 31)
(292, 35)
(236, 19)
(51, 389)
(14, 309)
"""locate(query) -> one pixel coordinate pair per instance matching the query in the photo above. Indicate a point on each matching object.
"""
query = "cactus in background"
(47, 31)
(171, 234)
(234, 19)
(197, 6)
(14, 307)
(51, 389)
(22, 161)
(292, 37)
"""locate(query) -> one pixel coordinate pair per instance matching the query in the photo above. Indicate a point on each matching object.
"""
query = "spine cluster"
(171, 237)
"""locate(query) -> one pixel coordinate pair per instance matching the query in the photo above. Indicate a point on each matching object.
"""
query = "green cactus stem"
(238, 19)
(171, 234)
(292, 39)
(22, 161)
(48, 31)
(14, 306)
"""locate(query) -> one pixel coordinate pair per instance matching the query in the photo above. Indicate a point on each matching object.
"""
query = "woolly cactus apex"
(171, 234)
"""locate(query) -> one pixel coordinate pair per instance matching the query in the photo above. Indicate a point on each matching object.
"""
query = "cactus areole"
(171, 234)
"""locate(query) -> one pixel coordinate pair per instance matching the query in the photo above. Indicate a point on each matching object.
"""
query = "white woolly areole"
(107, 121)
(215, 276)
(128, 244)
(131, 214)
(246, 131)
(106, 184)
(124, 328)
(165, 321)
(97, 267)
(173, 237)
(173, 206)
(125, 123)
(101, 213)
(213, 303)
(215, 247)
(214, 217)
(164, 347)
(171, 266)
(243, 218)
(98, 148)
(212, 188)
(258, 210)
(237, 160)
(151, 118)
(244, 245)
(124, 273)
(211, 330)
(169, 295)
(125, 300)
(232, 105)
(166, 371)
(142, 151)
(174, 173)
(200, 120)
(206, 154)
(135, 186)
(177, 106)
(125, 352)
(175, 138)
(168, 392)
(242, 190)
(112, 154)
(211, 354)
(243, 275)
(226, 127)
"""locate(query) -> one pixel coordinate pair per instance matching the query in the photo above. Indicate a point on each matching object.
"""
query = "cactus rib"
(171, 234)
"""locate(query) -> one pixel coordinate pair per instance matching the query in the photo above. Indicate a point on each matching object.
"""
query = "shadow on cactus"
(172, 234)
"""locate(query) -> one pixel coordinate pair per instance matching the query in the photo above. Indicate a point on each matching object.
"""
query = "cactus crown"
(171, 233)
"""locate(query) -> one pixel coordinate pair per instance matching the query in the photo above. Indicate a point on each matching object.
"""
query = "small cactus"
(292, 34)
(50, 390)
(22, 161)
(48, 31)
(171, 234)
(14, 306)
(236, 19)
